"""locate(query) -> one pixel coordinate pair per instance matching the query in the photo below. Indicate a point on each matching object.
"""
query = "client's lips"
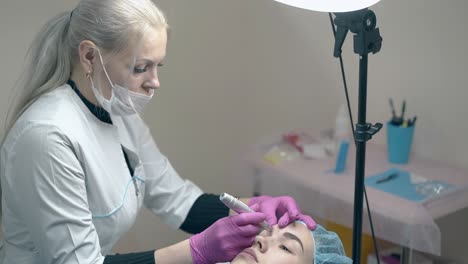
(251, 253)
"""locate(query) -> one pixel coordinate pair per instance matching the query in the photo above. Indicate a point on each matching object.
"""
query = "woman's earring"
(88, 74)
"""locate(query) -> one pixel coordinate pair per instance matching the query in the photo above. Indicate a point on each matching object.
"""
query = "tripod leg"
(405, 255)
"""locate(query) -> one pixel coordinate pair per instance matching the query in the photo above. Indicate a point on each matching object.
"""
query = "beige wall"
(239, 70)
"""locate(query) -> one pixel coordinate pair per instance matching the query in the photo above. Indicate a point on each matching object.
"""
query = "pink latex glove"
(226, 238)
(280, 210)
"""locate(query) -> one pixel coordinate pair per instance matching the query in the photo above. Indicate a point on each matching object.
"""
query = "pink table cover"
(331, 196)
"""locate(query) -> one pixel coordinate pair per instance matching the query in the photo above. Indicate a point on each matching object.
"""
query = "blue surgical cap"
(328, 248)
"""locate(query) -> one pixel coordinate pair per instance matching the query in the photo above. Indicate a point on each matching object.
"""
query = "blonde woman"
(77, 162)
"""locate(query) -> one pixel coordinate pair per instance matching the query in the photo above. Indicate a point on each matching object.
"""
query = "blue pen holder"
(399, 141)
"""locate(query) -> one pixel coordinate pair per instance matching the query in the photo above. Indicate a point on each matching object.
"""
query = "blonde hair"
(110, 24)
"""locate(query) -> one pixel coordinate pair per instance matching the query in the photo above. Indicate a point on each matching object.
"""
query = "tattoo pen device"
(239, 207)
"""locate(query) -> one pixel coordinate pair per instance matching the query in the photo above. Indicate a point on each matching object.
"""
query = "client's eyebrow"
(292, 236)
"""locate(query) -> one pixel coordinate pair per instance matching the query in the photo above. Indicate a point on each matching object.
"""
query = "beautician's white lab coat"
(67, 192)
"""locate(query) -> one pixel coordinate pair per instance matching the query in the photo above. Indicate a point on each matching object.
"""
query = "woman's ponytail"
(48, 66)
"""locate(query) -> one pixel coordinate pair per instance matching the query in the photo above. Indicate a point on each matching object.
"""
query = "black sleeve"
(204, 212)
(131, 258)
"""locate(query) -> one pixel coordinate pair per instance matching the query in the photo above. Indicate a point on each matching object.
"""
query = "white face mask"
(123, 101)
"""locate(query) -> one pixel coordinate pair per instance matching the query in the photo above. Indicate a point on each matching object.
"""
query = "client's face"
(290, 245)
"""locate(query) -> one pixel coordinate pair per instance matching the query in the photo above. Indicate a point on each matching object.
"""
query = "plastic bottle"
(342, 127)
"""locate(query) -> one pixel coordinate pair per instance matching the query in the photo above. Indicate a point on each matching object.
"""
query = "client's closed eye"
(284, 248)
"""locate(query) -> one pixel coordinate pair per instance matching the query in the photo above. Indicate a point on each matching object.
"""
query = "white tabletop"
(331, 196)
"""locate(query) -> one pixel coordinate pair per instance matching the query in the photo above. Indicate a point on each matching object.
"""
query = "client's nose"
(261, 244)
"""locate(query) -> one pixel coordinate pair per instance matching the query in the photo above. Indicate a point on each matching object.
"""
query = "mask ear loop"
(104, 68)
